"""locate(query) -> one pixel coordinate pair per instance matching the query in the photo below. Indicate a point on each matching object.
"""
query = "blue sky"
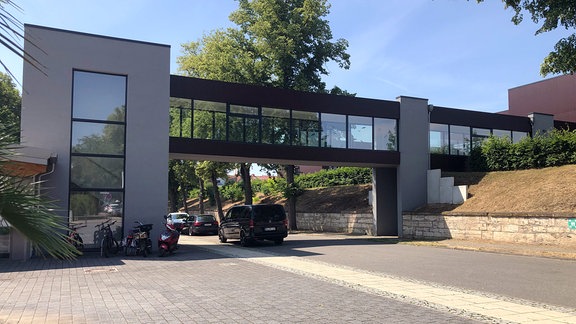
(455, 53)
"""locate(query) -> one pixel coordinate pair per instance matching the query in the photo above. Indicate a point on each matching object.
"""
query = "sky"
(455, 53)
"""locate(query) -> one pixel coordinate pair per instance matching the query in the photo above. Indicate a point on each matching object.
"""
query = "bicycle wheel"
(104, 248)
(112, 246)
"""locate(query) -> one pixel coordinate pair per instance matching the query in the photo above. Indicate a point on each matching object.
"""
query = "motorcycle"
(138, 240)
(168, 240)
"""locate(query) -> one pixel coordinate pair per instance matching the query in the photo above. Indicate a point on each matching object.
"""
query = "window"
(502, 133)
(97, 148)
(243, 124)
(385, 134)
(479, 135)
(180, 117)
(333, 130)
(360, 132)
(439, 139)
(459, 140)
(518, 136)
(209, 120)
(275, 126)
(305, 128)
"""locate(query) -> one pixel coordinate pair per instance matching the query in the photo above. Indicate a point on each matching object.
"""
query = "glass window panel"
(175, 125)
(97, 138)
(275, 112)
(244, 110)
(236, 129)
(479, 135)
(518, 136)
(251, 130)
(360, 132)
(99, 96)
(459, 140)
(181, 103)
(180, 117)
(305, 128)
(243, 129)
(93, 208)
(219, 126)
(96, 172)
(502, 133)
(439, 139)
(275, 130)
(333, 130)
(385, 134)
(210, 106)
(203, 124)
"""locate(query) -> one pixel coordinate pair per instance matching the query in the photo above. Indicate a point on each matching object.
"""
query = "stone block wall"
(550, 229)
(336, 222)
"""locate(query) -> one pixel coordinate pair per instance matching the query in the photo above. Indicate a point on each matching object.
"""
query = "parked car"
(178, 220)
(202, 224)
(251, 223)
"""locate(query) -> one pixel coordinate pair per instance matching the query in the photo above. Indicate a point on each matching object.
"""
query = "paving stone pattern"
(192, 286)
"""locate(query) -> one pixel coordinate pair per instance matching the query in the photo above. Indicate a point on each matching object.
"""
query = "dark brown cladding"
(289, 154)
(250, 95)
(442, 115)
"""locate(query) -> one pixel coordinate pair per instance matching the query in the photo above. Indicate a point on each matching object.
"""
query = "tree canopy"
(10, 103)
(551, 14)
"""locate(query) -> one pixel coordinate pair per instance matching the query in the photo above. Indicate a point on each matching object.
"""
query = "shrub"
(335, 177)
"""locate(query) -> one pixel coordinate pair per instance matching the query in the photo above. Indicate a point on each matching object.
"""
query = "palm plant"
(26, 211)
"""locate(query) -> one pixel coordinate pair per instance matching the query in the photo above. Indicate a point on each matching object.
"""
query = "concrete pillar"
(385, 201)
(413, 136)
(541, 123)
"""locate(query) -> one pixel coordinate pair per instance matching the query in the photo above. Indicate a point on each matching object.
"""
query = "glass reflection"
(333, 130)
(385, 137)
(96, 172)
(97, 138)
(360, 132)
(99, 96)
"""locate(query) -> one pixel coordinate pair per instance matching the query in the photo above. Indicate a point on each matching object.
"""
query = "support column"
(541, 123)
(385, 201)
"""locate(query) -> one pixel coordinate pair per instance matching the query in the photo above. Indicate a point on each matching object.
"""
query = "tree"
(283, 44)
(552, 13)
(10, 103)
(211, 171)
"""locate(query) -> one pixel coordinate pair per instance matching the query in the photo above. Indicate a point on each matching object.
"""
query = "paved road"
(545, 280)
(207, 282)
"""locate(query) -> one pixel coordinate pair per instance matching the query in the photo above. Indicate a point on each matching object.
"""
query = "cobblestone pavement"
(208, 283)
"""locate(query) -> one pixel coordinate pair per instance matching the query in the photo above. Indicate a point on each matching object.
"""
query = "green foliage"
(335, 177)
(10, 103)
(554, 148)
(233, 191)
(269, 187)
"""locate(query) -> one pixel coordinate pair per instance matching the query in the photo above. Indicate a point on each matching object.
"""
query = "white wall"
(46, 111)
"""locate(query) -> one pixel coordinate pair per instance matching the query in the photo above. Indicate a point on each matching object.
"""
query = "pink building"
(555, 96)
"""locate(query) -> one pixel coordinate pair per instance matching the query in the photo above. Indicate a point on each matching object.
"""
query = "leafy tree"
(283, 44)
(551, 13)
(211, 171)
(10, 103)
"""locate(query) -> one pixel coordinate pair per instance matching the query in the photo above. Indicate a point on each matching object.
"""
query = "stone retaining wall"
(552, 229)
(336, 222)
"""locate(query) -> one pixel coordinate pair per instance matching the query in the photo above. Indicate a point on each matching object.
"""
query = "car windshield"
(206, 218)
(269, 212)
(179, 216)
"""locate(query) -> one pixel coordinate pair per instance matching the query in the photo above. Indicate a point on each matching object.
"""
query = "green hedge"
(554, 148)
(335, 177)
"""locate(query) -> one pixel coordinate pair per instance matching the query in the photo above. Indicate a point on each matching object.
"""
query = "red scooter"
(168, 240)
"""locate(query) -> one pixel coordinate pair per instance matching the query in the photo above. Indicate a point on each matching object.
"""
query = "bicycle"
(108, 245)
(74, 237)
(138, 240)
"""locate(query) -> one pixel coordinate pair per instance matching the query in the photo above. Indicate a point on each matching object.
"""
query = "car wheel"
(243, 239)
(279, 241)
(221, 237)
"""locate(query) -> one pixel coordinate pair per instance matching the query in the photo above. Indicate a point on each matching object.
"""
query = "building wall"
(47, 101)
(555, 96)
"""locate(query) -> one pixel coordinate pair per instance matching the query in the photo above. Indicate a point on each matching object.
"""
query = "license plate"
(207, 224)
(269, 229)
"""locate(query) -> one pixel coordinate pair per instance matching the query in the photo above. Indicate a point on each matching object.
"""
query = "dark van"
(250, 223)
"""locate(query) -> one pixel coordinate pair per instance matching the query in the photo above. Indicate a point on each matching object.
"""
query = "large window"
(305, 128)
(209, 120)
(479, 135)
(360, 132)
(97, 149)
(439, 138)
(459, 140)
(275, 126)
(180, 117)
(385, 134)
(333, 130)
(243, 124)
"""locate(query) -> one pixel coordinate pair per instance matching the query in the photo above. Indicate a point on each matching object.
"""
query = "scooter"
(168, 240)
